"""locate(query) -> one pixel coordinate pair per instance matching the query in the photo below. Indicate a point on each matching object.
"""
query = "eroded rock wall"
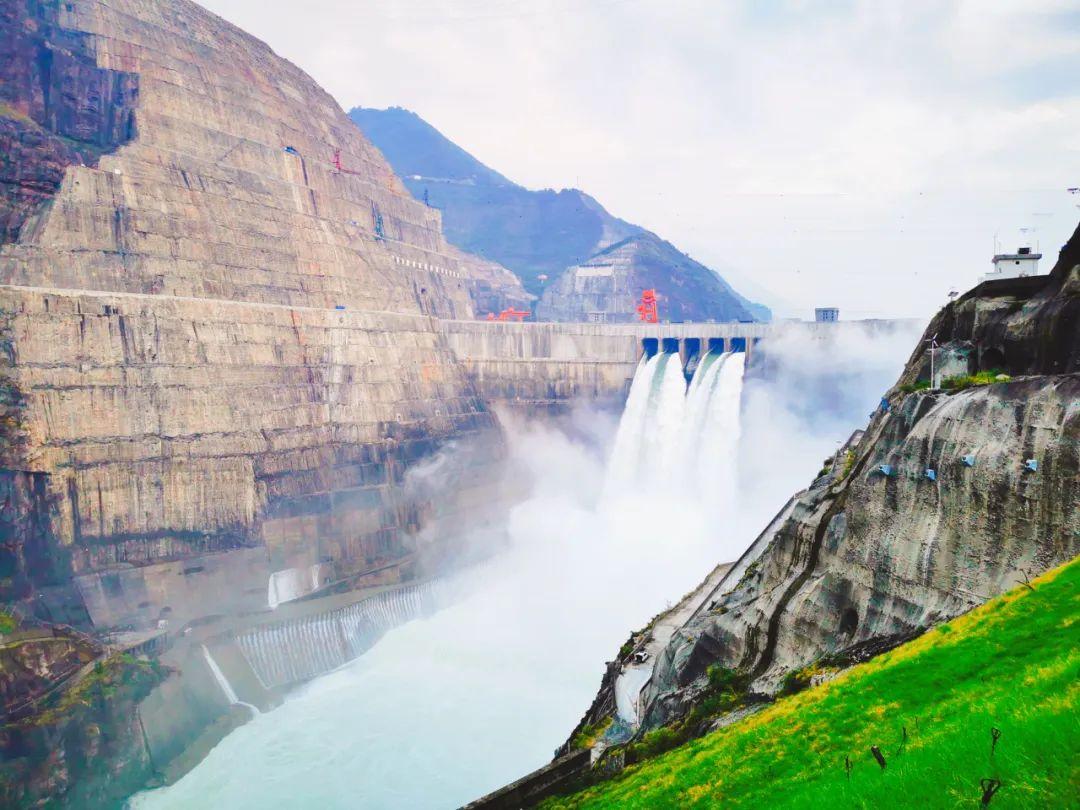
(58, 108)
(951, 497)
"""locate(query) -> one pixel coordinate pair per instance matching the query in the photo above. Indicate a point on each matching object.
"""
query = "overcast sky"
(857, 154)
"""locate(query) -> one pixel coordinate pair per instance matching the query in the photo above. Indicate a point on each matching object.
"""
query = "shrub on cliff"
(118, 676)
(726, 691)
(8, 622)
(967, 381)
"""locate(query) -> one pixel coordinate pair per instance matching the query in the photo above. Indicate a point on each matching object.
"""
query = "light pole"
(933, 347)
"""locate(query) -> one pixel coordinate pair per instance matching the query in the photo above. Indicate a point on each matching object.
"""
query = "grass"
(8, 622)
(969, 380)
(918, 385)
(960, 382)
(590, 734)
(849, 464)
(830, 464)
(1012, 665)
(726, 690)
(800, 679)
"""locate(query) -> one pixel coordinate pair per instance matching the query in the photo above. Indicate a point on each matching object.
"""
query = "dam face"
(545, 367)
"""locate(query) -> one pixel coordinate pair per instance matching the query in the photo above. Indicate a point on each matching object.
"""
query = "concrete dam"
(545, 365)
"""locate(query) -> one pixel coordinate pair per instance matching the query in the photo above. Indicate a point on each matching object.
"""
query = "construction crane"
(509, 314)
(647, 311)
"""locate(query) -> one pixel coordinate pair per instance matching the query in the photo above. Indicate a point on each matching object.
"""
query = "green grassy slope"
(1012, 664)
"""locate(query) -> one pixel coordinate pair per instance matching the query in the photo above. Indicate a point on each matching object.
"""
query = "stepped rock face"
(220, 353)
(57, 108)
(607, 287)
(865, 556)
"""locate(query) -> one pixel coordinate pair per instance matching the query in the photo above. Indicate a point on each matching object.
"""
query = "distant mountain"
(687, 290)
(546, 237)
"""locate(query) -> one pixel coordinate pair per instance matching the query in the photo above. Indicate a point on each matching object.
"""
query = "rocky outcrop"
(87, 751)
(34, 661)
(1022, 326)
(950, 497)
(58, 108)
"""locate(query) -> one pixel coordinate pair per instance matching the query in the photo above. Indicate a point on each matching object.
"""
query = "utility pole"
(933, 348)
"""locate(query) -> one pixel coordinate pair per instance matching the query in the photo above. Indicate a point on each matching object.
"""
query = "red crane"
(510, 314)
(647, 308)
(339, 167)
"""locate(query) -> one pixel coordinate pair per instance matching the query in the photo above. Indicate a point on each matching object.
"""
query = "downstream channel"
(452, 705)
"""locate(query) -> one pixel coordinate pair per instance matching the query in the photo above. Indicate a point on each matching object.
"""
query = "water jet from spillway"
(674, 437)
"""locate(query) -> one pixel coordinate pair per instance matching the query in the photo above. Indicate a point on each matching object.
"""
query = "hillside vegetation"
(1010, 668)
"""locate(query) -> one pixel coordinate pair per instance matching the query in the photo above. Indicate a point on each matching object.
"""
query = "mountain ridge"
(489, 215)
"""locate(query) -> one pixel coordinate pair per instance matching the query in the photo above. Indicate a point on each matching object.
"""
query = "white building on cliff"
(1014, 265)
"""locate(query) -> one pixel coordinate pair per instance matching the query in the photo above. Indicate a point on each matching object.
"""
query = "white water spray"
(626, 452)
(716, 457)
(685, 448)
(219, 676)
(666, 424)
(675, 438)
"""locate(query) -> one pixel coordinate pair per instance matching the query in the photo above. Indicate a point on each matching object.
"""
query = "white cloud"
(858, 153)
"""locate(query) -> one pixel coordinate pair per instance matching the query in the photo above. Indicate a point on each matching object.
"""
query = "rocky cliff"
(955, 492)
(554, 241)
(217, 315)
(58, 108)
